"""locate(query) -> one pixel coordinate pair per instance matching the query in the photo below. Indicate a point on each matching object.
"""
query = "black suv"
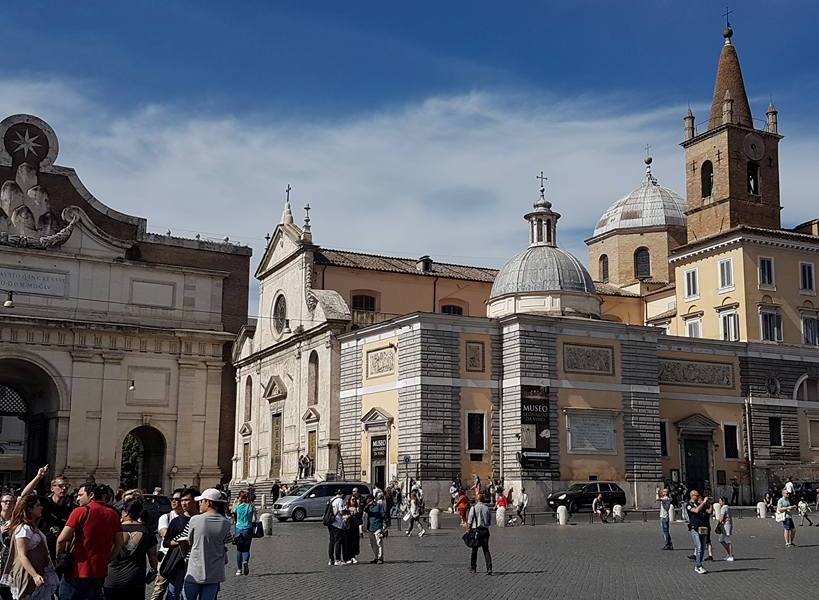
(581, 495)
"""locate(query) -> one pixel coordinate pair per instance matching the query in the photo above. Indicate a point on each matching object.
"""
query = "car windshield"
(298, 491)
(577, 487)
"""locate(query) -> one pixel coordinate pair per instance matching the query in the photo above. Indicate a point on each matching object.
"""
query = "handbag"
(719, 529)
(258, 530)
(471, 538)
(172, 561)
(780, 516)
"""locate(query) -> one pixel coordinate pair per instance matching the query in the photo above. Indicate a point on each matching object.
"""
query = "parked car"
(581, 495)
(153, 507)
(310, 499)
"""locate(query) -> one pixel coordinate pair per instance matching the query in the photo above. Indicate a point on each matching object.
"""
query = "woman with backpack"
(415, 512)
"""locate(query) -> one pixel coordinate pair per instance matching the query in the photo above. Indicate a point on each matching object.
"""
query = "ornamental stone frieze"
(597, 360)
(696, 373)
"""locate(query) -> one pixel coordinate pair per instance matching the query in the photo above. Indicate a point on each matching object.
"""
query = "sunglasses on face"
(61, 485)
(176, 499)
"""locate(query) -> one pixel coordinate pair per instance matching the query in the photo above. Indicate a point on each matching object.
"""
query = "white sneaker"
(700, 570)
(420, 535)
(331, 563)
(354, 561)
(338, 563)
(238, 572)
(730, 559)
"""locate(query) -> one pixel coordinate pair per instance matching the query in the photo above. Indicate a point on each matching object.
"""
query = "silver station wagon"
(310, 499)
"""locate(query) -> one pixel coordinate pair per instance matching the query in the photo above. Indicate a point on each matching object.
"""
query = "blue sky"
(411, 130)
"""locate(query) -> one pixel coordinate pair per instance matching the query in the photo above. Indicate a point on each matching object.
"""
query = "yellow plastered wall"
(476, 399)
(621, 309)
(385, 399)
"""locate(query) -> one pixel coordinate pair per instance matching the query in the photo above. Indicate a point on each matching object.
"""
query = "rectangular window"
(729, 325)
(729, 432)
(245, 460)
(692, 288)
(726, 274)
(775, 431)
(806, 281)
(693, 328)
(476, 432)
(766, 272)
(663, 439)
(771, 326)
(810, 330)
(813, 431)
(364, 302)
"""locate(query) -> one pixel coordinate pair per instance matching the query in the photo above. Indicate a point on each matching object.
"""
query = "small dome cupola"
(542, 220)
(543, 279)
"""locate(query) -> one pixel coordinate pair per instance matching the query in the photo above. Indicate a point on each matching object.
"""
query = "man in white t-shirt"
(665, 514)
(161, 584)
(789, 486)
(521, 502)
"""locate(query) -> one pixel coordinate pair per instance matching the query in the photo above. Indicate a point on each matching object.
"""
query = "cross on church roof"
(725, 14)
(287, 191)
(542, 179)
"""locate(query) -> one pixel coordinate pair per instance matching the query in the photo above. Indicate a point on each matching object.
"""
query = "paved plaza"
(581, 561)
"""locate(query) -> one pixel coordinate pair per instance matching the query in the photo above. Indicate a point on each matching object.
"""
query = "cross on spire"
(648, 149)
(543, 180)
(725, 14)
(287, 191)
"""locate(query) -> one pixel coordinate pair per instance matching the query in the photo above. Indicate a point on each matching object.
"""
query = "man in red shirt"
(93, 527)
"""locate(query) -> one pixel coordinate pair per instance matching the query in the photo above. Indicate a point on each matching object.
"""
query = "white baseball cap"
(211, 494)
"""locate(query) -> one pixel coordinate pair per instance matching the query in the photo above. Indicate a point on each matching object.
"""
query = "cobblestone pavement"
(581, 561)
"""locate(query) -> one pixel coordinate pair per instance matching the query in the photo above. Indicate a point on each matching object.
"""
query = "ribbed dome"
(542, 269)
(650, 205)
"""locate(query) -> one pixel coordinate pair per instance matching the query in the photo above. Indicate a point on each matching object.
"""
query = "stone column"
(85, 415)
(114, 389)
(211, 474)
(185, 455)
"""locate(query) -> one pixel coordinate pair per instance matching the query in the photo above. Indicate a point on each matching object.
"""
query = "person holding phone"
(783, 515)
(699, 527)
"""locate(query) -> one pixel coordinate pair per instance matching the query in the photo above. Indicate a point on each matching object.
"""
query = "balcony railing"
(363, 318)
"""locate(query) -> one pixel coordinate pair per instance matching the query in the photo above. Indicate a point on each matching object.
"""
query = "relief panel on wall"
(596, 360)
(696, 373)
(381, 362)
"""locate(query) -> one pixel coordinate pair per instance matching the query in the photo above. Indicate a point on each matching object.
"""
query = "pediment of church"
(696, 424)
(312, 415)
(376, 416)
(286, 242)
(245, 429)
(275, 390)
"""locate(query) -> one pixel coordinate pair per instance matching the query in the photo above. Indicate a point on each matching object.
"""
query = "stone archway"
(143, 459)
(29, 436)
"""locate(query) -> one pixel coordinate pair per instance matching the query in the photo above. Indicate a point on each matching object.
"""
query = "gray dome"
(650, 205)
(542, 269)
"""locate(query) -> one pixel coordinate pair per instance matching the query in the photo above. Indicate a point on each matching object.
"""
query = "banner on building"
(535, 434)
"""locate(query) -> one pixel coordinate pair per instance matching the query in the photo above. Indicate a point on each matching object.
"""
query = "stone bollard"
(617, 512)
(562, 515)
(671, 512)
(267, 523)
(434, 519)
(761, 510)
(263, 501)
(500, 517)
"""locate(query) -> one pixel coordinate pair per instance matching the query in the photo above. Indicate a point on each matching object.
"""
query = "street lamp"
(9, 303)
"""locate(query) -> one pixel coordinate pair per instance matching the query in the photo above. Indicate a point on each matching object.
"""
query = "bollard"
(761, 510)
(617, 511)
(434, 519)
(562, 515)
(264, 501)
(267, 523)
(500, 517)
(671, 514)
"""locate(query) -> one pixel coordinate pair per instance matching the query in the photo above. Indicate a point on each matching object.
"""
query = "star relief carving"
(26, 143)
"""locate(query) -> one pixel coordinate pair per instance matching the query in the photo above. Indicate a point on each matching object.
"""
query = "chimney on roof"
(424, 264)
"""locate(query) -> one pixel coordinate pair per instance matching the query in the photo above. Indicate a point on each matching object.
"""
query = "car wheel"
(282, 519)
(572, 507)
(299, 514)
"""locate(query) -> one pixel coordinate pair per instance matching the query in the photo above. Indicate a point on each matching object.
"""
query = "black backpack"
(329, 516)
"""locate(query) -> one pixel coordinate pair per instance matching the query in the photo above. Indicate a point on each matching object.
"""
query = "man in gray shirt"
(479, 519)
(208, 535)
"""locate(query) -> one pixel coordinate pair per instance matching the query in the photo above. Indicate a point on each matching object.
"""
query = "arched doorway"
(29, 401)
(143, 459)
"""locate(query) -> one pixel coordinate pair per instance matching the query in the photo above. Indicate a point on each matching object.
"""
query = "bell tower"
(731, 168)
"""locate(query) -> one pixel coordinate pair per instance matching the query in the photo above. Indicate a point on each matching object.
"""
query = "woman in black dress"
(127, 574)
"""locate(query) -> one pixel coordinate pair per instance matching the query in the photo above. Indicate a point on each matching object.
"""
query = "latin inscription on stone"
(598, 360)
(380, 362)
(591, 433)
(33, 282)
(696, 373)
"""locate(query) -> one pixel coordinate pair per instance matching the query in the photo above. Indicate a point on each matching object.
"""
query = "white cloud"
(450, 177)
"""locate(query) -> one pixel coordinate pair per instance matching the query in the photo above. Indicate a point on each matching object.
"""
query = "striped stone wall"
(350, 410)
(641, 411)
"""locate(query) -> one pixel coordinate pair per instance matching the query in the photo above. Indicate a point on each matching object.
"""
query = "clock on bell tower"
(731, 168)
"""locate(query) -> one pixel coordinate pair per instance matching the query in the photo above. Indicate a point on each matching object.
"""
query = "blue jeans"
(243, 556)
(699, 546)
(666, 532)
(81, 589)
(200, 591)
(175, 584)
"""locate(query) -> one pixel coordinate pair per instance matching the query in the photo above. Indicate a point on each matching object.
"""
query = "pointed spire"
(306, 234)
(287, 214)
(729, 80)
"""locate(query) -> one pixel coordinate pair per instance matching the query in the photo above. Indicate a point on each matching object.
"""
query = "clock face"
(754, 146)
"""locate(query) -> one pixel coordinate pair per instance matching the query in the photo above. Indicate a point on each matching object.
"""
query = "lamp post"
(9, 301)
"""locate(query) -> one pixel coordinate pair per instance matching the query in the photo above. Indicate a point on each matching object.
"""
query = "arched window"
(549, 231)
(707, 177)
(642, 263)
(808, 389)
(452, 309)
(364, 302)
(753, 178)
(604, 268)
(539, 231)
(313, 379)
(248, 399)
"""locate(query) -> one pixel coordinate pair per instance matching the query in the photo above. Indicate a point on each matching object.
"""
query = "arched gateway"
(143, 459)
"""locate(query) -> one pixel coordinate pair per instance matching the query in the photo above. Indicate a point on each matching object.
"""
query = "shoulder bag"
(471, 538)
(258, 529)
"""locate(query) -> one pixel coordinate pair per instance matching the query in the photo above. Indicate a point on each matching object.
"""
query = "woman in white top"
(29, 572)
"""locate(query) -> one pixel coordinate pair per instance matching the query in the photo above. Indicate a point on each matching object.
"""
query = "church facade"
(113, 340)
(687, 352)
